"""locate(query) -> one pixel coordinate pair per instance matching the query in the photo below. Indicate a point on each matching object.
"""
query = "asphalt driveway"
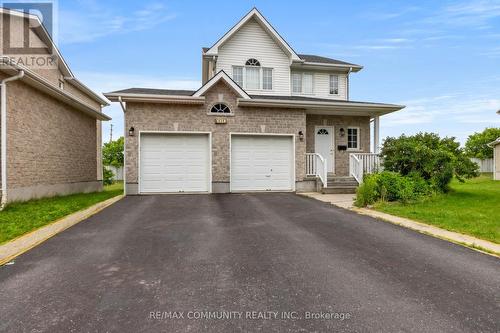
(249, 262)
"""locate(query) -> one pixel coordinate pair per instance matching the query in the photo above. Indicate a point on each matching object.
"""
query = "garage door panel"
(261, 163)
(174, 163)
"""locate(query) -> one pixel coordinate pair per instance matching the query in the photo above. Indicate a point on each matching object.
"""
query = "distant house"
(51, 122)
(496, 158)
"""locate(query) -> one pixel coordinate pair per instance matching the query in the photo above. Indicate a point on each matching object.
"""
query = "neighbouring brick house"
(51, 123)
(265, 119)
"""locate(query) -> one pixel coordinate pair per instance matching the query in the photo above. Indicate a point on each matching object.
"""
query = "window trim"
(330, 85)
(242, 75)
(358, 138)
(302, 83)
(261, 77)
(217, 114)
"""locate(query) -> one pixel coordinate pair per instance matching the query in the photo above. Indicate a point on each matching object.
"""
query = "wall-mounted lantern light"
(301, 136)
(131, 131)
(342, 132)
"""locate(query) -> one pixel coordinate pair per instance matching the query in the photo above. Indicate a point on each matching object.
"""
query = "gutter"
(42, 84)
(175, 99)
(3, 129)
(309, 104)
(78, 84)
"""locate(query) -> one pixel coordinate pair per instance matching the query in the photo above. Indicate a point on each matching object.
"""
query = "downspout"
(3, 129)
(124, 146)
(347, 88)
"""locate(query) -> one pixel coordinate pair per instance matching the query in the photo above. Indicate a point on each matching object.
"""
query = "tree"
(434, 159)
(112, 153)
(477, 143)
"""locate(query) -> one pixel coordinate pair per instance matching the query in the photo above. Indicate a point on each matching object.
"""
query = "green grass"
(19, 218)
(471, 208)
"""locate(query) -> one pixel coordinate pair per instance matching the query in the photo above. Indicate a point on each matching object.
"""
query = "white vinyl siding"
(251, 41)
(321, 85)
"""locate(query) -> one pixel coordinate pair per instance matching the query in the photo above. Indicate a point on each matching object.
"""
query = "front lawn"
(471, 208)
(20, 218)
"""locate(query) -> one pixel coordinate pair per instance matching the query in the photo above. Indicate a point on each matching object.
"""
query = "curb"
(26, 242)
(471, 242)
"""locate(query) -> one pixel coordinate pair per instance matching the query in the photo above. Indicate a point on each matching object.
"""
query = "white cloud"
(458, 115)
(388, 15)
(92, 21)
(107, 82)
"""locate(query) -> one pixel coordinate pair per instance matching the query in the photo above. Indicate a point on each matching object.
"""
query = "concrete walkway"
(340, 200)
(346, 201)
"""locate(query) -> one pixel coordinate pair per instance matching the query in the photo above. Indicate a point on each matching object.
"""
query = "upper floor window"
(253, 76)
(334, 84)
(220, 108)
(352, 138)
(238, 75)
(252, 62)
(302, 83)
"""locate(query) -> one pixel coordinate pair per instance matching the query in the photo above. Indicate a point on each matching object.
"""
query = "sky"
(439, 58)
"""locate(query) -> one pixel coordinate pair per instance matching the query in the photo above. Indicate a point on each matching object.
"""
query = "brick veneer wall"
(165, 117)
(49, 142)
(341, 157)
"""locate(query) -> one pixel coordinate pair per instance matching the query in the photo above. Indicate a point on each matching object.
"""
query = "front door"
(323, 145)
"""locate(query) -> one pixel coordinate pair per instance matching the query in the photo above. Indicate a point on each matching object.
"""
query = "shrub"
(367, 193)
(434, 159)
(107, 176)
(391, 186)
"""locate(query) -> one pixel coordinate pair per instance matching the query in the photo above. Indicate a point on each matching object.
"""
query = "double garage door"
(181, 163)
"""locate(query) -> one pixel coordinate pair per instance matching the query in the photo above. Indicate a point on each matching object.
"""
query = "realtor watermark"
(29, 33)
(248, 315)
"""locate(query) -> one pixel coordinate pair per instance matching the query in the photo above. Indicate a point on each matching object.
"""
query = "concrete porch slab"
(345, 201)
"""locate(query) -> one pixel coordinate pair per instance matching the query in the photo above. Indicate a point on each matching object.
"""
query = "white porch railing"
(316, 166)
(363, 163)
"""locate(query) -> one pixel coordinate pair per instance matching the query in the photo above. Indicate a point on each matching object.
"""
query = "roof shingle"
(150, 91)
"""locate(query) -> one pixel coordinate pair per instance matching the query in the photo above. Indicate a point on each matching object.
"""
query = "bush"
(391, 186)
(434, 159)
(367, 193)
(107, 176)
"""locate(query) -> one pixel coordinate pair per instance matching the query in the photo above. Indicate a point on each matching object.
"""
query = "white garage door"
(174, 163)
(261, 163)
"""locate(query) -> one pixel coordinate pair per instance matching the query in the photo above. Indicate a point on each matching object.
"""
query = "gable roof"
(324, 60)
(221, 75)
(150, 91)
(255, 14)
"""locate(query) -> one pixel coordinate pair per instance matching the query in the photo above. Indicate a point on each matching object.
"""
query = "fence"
(484, 165)
(118, 172)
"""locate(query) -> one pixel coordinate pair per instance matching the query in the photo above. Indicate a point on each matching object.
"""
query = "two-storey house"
(265, 119)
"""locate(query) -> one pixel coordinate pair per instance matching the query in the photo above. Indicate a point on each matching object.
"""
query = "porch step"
(339, 189)
(340, 185)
